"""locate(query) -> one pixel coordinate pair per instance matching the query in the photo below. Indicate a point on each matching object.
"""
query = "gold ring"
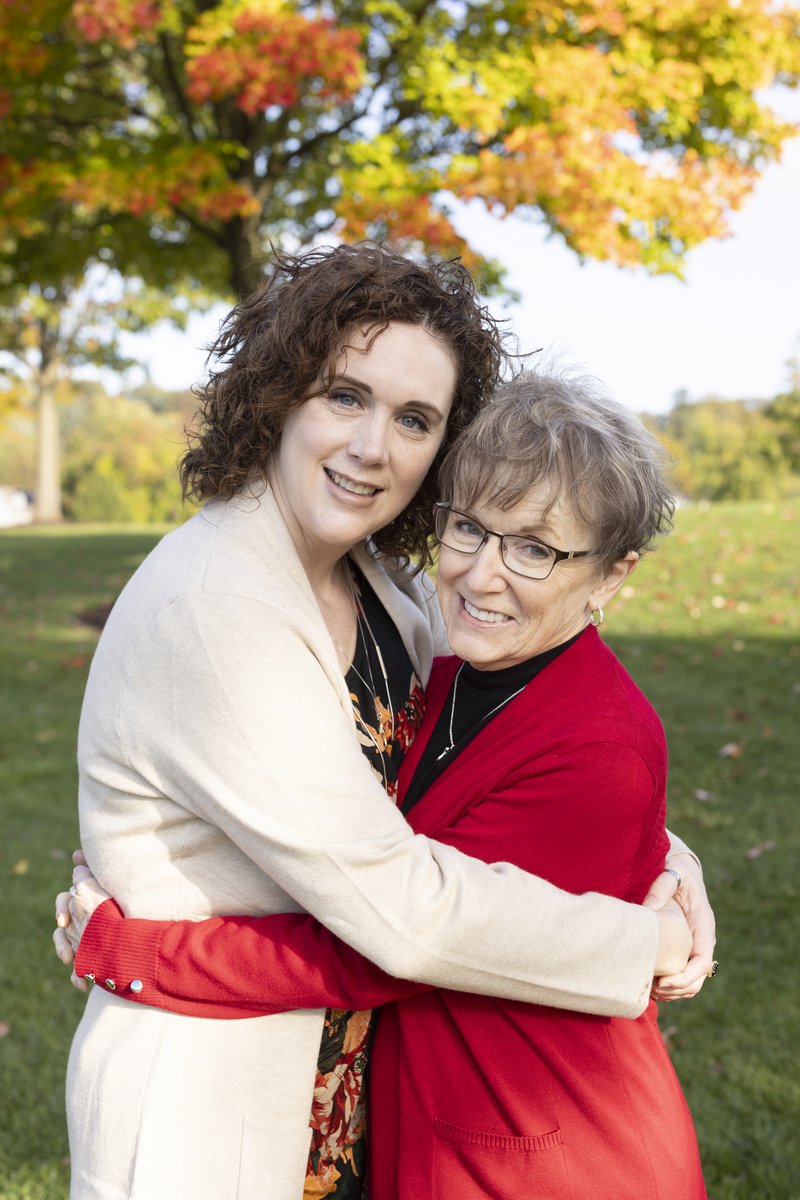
(714, 968)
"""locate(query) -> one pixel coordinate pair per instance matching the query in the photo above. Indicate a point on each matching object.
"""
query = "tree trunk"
(47, 506)
(246, 255)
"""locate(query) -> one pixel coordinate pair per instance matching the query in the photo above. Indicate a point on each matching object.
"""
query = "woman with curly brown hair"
(219, 771)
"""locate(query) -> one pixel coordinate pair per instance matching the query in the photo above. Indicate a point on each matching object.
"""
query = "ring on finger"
(672, 871)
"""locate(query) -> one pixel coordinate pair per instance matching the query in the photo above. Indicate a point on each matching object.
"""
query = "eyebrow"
(429, 409)
(537, 530)
(359, 383)
(531, 531)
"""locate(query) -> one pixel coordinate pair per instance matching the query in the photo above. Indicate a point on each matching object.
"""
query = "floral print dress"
(388, 707)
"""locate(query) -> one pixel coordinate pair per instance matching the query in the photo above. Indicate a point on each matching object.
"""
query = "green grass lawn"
(708, 626)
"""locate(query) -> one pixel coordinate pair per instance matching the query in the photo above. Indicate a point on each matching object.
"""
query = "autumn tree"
(173, 141)
(48, 330)
(63, 302)
(120, 459)
(631, 128)
(62, 306)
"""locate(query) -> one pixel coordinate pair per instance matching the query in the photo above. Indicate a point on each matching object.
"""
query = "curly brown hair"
(278, 346)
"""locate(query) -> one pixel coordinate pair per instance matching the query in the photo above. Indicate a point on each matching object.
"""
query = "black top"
(388, 706)
(480, 696)
(385, 724)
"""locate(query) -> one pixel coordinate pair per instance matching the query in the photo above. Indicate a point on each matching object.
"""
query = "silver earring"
(596, 617)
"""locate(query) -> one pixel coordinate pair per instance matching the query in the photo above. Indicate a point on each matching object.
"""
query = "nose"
(487, 571)
(369, 442)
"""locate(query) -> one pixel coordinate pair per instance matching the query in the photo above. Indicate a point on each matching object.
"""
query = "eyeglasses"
(522, 554)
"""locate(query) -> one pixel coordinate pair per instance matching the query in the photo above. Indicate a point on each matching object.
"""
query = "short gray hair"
(591, 452)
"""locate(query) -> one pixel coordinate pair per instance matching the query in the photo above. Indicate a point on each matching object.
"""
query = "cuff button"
(136, 986)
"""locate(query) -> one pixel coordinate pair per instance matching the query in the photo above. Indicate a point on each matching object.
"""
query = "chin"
(476, 655)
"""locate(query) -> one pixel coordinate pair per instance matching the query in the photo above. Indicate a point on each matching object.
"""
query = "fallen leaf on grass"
(21, 867)
(737, 714)
(731, 750)
(76, 662)
(702, 794)
(96, 616)
(757, 851)
(5, 1029)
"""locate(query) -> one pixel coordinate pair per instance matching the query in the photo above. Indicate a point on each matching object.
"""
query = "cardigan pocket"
(470, 1164)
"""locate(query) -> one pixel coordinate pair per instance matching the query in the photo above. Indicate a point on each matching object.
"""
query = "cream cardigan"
(219, 773)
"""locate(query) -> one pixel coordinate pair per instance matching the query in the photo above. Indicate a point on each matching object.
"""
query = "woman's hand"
(692, 898)
(674, 940)
(73, 911)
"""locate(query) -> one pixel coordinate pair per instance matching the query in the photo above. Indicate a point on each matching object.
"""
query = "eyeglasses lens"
(524, 556)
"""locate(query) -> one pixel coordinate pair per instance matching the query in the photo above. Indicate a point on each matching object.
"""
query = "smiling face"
(495, 618)
(351, 459)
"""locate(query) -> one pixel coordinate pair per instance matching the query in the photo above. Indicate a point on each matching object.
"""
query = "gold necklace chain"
(361, 621)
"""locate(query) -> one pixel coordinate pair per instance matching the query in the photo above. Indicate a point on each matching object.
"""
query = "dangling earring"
(596, 617)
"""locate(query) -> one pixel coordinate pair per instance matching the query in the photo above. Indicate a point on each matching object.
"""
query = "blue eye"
(345, 399)
(467, 529)
(414, 421)
(533, 551)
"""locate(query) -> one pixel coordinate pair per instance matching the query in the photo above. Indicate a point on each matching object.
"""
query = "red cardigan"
(472, 1096)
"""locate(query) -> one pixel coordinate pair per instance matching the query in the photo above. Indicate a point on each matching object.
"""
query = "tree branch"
(175, 88)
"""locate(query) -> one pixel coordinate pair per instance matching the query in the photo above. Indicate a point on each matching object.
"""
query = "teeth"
(350, 485)
(483, 614)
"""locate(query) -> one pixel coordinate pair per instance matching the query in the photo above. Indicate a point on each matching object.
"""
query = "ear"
(610, 584)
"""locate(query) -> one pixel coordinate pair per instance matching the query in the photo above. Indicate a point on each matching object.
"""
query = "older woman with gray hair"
(537, 749)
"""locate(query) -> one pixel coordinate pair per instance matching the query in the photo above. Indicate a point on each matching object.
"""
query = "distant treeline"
(733, 449)
(120, 453)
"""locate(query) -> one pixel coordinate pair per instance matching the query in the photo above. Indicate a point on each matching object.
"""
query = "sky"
(728, 330)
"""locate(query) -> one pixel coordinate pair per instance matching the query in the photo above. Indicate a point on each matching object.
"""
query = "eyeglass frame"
(560, 555)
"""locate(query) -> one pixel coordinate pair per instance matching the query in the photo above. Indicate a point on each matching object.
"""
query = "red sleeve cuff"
(121, 955)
